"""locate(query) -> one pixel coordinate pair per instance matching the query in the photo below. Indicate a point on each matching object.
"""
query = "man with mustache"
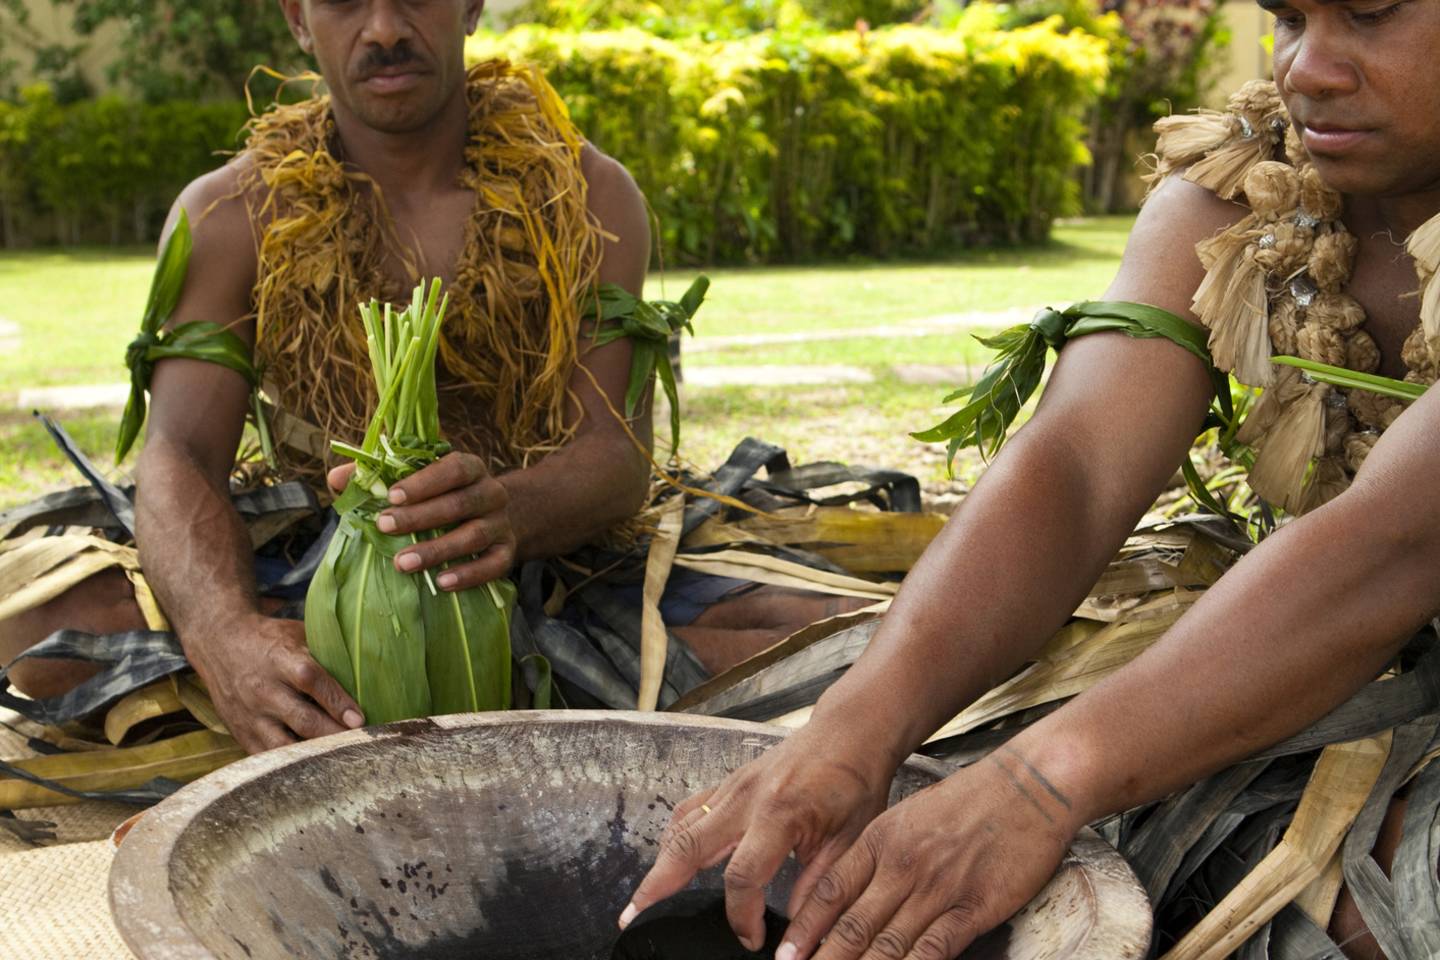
(410, 167)
(1303, 199)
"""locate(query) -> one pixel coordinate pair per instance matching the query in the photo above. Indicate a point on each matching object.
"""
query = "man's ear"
(294, 11)
(473, 9)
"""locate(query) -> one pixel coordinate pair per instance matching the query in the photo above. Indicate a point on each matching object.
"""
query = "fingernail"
(751, 945)
(386, 523)
(787, 951)
(628, 914)
(397, 496)
(447, 580)
(408, 561)
(353, 719)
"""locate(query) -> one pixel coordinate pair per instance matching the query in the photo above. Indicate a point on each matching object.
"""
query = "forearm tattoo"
(1033, 774)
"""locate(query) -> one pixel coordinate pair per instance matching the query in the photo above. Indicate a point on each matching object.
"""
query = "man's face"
(1361, 79)
(393, 64)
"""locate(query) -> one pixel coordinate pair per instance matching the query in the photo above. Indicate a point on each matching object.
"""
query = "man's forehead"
(1282, 4)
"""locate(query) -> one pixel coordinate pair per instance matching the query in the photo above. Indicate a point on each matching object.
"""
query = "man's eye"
(1372, 17)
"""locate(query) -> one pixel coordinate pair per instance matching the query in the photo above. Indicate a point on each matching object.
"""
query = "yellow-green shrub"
(103, 170)
(784, 146)
(775, 147)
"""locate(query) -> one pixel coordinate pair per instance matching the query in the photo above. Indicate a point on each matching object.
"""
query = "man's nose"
(1322, 65)
(385, 23)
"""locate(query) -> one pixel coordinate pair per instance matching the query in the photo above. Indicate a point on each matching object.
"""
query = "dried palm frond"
(178, 759)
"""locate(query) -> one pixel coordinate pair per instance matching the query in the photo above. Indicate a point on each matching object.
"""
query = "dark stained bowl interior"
(502, 836)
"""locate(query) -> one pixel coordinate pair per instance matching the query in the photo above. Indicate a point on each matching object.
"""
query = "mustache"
(384, 58)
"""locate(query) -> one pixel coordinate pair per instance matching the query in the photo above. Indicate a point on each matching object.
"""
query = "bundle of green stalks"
(398, 645)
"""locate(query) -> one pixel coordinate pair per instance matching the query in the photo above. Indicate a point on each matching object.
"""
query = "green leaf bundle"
(399, 646)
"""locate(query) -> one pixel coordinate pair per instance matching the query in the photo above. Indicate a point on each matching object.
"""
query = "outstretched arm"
(1006, 572)
(1296, 628)
(194, 547)
(595, 481)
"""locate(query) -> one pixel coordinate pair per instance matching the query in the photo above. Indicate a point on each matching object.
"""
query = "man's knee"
(103, 603)
(777, 608)
(41, 679)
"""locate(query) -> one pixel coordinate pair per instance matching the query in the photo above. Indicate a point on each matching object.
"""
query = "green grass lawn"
(73, 312)
(871, 352)
(1077, 265)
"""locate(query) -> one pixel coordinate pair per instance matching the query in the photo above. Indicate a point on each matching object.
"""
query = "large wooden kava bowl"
(511, 836)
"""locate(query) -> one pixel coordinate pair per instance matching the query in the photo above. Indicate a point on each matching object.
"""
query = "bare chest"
(430, 236)
(1385, 284)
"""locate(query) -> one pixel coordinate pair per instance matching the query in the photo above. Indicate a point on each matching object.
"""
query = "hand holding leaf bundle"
(396, 641)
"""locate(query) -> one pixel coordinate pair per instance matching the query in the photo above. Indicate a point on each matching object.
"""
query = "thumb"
(340, 476)
(313, 680)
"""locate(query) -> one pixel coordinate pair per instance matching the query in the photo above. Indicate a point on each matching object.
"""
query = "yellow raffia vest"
(531, 256)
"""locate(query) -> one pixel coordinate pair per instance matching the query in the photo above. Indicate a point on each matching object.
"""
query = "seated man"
(409, 168)
(1304, 203)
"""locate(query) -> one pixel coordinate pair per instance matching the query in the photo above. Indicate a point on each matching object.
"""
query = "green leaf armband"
(648, 324)
(197, 340)
(994, 402)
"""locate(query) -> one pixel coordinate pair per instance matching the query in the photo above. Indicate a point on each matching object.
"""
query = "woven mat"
(53, 902)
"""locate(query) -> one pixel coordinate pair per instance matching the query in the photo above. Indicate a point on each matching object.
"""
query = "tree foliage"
(787, 145)
(1161, 55)
(714, 19)
(192, 48)
(25, 50)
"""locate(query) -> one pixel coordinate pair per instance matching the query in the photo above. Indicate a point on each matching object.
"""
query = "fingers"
(299, 715)
(755, 861)
(264, 734)
(685, 850)
(307, 676)
(951, 933)
(688, 811)
(482, 498)
(484, 547)
(450, 472)
(339, 478)
(871, 928)
(833, 893)
(816, 868)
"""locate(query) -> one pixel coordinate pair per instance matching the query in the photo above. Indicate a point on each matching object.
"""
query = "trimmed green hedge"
(777, 148)
(103, 170)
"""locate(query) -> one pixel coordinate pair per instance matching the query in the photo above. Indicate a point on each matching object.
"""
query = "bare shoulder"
(217, 206)
(1160, 265)
(617, 203)
(611, 187)
(225, 243)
